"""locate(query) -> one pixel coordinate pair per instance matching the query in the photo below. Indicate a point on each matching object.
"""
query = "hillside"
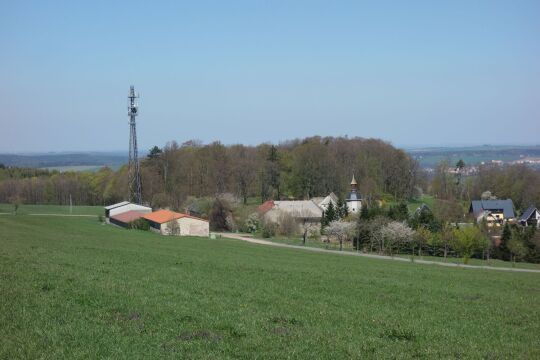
(85, 290)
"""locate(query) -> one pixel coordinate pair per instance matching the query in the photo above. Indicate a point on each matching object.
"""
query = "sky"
(409, 72)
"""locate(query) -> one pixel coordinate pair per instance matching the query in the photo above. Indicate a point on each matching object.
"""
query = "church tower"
(354, 199)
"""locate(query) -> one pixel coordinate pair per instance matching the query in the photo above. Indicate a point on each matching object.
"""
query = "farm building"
(495, 212)
(530, 217)
(323, 202)
(168, 222)
(123, 207)
(124, 219)
(299, 209)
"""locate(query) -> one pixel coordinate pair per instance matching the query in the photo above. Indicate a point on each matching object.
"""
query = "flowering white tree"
(343, 231)
(394, 234)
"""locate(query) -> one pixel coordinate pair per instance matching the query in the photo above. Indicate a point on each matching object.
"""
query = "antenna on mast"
(134, 173)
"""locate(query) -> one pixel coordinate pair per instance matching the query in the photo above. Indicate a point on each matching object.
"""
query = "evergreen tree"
(503, 252)
(330, 214)
(339, 207)
(345, 210)
(154, 152)
(364, 212)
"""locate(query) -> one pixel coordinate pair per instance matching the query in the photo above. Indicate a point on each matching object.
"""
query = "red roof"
(164, 216)
(128, 216)
(266, 206)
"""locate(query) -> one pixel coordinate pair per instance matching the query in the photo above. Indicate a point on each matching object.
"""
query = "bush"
(252, 223)
(220, 216)
(139, 224)
(287, 225)
(100, 218)
(269, 229)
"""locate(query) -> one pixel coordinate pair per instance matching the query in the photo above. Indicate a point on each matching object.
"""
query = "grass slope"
(53, 209)
(73, 288)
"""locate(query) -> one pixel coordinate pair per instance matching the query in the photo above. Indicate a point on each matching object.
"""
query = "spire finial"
(353, 181)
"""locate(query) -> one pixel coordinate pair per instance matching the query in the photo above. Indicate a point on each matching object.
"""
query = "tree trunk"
(340, 245)
(445, 252)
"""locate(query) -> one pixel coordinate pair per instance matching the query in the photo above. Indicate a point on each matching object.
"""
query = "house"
(495, 212)
(298, 209)
(530, 217)
(354, 199)
(323, 202)
(168, 222)
(124, 219)
(123, 207)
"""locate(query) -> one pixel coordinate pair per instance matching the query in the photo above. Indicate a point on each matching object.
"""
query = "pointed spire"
(353, 182)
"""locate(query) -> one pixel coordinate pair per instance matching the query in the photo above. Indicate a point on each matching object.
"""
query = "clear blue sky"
(410, 72)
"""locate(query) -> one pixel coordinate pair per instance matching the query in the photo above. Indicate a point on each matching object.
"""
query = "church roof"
(353, 196)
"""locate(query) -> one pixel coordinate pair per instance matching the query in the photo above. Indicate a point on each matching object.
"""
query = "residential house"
(530, 217)
(495, 212)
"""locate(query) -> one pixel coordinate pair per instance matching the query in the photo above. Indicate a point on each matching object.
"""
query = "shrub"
(139, 224)
(220, 216)
(269, 229)
(100, 218)
(252, 223)
(287, 225)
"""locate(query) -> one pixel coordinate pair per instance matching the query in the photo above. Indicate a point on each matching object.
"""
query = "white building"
(354, 199)
(123, 207)
(168, 222)
(324, 202)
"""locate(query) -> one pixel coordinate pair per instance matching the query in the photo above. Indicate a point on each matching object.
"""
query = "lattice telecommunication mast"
(134, 174)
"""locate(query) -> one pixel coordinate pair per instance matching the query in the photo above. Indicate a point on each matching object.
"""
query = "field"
(74, 288)
(53, 209)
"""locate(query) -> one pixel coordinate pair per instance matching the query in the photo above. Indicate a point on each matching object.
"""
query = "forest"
(294, 169)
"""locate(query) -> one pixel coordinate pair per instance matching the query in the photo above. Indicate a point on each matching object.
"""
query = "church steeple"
(354, 184)
(354, 200)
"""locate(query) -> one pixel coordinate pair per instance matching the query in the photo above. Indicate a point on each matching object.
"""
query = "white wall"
(129, 207)
(354, 206)
(188, 227)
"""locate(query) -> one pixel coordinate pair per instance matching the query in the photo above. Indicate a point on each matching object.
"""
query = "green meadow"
(73, 288)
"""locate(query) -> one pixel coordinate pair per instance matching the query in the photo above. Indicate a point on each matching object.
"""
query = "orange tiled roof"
(163, 216)
(128, 216)
(266, 206)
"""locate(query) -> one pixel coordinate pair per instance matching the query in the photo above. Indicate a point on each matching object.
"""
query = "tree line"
(296, 169)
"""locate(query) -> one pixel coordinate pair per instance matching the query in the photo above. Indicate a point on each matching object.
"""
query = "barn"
(126, 218)
(168, 222)
(124, 206)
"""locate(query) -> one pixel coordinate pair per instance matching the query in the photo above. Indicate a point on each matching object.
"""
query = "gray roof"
(114, 206)
(354, 196)
(506, 206)
(528, 213)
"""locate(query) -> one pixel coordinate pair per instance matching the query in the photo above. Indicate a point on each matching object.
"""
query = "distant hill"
(474, 155)
(428, 157)
(77, 161)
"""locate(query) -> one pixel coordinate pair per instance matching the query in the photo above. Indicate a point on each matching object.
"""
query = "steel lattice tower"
(134, 174)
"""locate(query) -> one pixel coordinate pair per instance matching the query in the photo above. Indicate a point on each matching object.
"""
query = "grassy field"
(74, 288)
(53, 209)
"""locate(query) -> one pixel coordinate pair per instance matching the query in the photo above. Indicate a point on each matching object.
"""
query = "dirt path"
(249, 239)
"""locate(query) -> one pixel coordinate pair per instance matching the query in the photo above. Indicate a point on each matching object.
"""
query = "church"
(354, 199)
